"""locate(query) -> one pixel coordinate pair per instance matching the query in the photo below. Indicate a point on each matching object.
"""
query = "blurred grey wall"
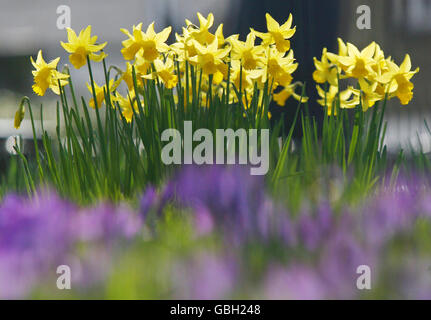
(27, 25)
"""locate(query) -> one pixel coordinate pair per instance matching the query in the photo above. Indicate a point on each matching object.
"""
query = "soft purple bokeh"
(205, 276)
(39, 234)
(317, 250)
(229, 199)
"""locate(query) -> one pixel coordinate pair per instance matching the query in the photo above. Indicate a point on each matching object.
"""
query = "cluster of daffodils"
(378, 78)
(224, 67)
(201, 65)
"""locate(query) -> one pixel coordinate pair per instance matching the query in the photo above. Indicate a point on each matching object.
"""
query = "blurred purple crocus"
(228, 198)
(39, 234)
(297, 282)
(205, 277)
(34, 236)
(313, 228)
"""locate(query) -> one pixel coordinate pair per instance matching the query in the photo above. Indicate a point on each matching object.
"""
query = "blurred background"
(399, 26)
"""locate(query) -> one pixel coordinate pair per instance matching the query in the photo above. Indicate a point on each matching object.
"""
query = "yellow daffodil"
(359, 64)
(165, 73)
(46, 76)
(241, 78)
(220, 37)
(277, 34)
(151, 43)
(279, 68)
(342, 48)
(128, 105)
(325, 70)
(210, 57)
(251, 56)
(202, 34)
(288, 92)
(330, 99)
(100, 93)
(221, 74)
(368, 95)
(378, 77)
(19, 115)
(217, 63)
(379, 57)
(401, 76)
(184, 48)
(82, 46)
(342, 52)
(142, 66)
(127, 77)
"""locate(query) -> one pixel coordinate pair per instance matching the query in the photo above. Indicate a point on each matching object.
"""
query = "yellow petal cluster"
(100, 92)
(220, 64)
(201, 57)
(46, 75)
(82, 46)
(377, 77)
(205, 65)
(149, 43)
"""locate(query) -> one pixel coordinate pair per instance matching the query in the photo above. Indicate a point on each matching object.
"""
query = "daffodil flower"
(359, 64)
(128, 105)
(150, 42)
(342, 48)
(19, 116)
(165, 72)
(381, 64)
(251, 56)
(184, 47)
(342, 52)
(287, 92)
(330, 98)
(368, 94)
(82, 46)
(100, 93)
(127, 77)
(400, 76)
(46, 76)
(241, 78)
(210, 57)
(325, 70)
(279, 68)
(202, 34)
(277, 34)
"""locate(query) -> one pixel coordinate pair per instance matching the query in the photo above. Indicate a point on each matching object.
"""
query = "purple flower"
(34, 236)
(39, 234)
(339, 262)
(313, 229)
(203, 221)
(286, 231)
(235, 200)
(205, 277)
(148, 201)
(106, 222)
(298, 282)
(387, 215)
